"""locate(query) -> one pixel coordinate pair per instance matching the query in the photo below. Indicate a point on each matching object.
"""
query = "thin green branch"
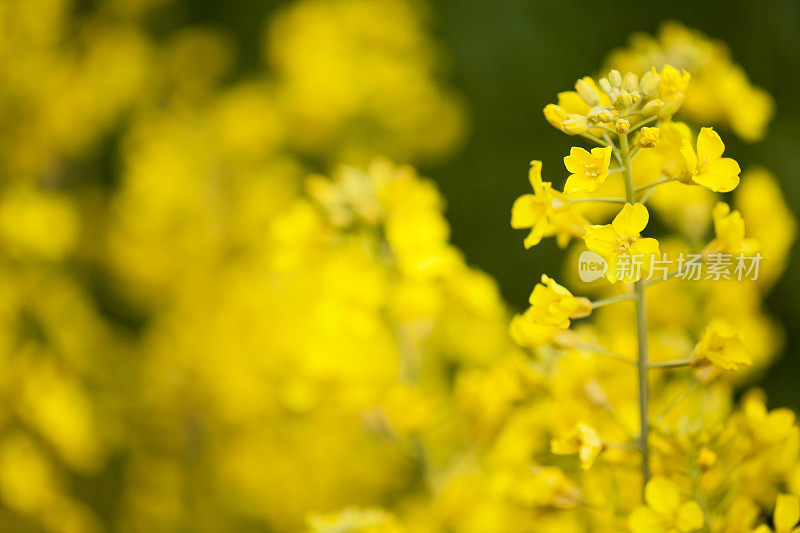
(677, 363)
(612, 300)
(643, 122)
(592, 200)
(654, 184)
(594, 139)
(641, 329)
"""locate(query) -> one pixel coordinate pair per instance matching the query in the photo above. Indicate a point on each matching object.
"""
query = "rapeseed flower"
(706, 166)
(622, 239)
(587, 170)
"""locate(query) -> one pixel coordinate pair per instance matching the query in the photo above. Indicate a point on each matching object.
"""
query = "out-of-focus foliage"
(721, 91)
(178, 355)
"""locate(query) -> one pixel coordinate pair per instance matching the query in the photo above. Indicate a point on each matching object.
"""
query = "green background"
(509, 58)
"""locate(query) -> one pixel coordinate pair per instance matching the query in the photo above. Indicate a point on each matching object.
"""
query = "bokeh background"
(509, 58)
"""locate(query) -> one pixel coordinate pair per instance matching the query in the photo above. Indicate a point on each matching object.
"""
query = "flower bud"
(555, 115)
(648, 137)
(587, 92)
(652, 107)
(574, 125)
(600, 114)
(630, 82)
(605, 85)
(650, 83)
(615, 79)
(622, 126)
(624, 100)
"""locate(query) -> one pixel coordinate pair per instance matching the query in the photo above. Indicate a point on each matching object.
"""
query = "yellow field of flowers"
(233, 304)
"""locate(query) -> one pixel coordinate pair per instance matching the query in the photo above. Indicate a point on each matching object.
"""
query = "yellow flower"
(706, 166)
(729, 230)
(622, 238)
(787, 514)
(588, 170)
(526, 331)
(552, 307)
(547, 212)
(582, 440)
(553, 304)
(664, 512)
(535, 210)
(721, 347)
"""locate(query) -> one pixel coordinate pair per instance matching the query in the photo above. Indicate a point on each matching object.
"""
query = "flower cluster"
(642, 396)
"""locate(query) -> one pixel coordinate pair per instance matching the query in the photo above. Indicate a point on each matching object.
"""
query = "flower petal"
(577, 160)
(709, 145)
(602, 156)
(522, 214)
(535, 176)
(631, 220)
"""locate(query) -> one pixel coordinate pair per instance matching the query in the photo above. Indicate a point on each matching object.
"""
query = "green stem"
(612, 300)
(641, 329)
(655, 184)
(606, 200)
(679, 363)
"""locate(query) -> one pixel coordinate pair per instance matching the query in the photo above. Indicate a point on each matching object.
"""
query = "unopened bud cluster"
(616, 102)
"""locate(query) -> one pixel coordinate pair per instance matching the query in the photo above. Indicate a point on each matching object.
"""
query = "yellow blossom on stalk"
(526, 331)
(720, 347)
(730, 234)
(588, 170)
(665, 512)
(582, 440)
(622, 238)
(553, 304)
(786, 516)
(706, 166)
(536, 210)
(552, 307)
